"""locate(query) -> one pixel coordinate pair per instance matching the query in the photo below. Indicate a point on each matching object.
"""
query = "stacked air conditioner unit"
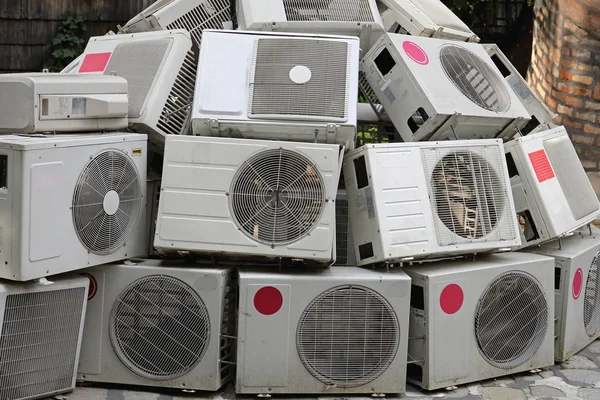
(277, 86)
(429, 199)
(338, 17)
(160, 68)
(41, 325)
(577, 291)
(243, 197)
(437, 89)
(552, 193)
(70, 201)
(44, 102)
(159, 324)
(343, 234)
(334, 330)
(473, 321)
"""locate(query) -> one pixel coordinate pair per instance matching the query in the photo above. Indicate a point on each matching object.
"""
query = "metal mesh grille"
(591, 305)
(328, 10)
(138, 62)
(277, 196)
(176, 110)
(324, 95)
(209, 14)
(109, 174)
(347, 336)
(474, 78)
(511, 319)
(228, 331)
(468, 195)
(369, 94)
(341, 231)
(159, 327)
(39, 342)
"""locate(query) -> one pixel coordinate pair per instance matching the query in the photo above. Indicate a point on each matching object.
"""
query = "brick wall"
(565, 69)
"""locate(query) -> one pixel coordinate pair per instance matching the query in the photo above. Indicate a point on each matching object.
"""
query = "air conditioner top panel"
(423, 145)
(35, 142)
(151, 9)
(537, 136)
(318, 274)
(58, 283)
(428, 12)
(571, 246)
(257, 34)
(163, 266)
(57, 83)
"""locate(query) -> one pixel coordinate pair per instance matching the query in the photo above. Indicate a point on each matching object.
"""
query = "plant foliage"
(67, 45)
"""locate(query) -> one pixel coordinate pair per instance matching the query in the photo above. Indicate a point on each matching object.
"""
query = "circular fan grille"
(347, 336)
(468, 194)
(474, 78)
(159, 327)
(277, 196)
(511, 320)
(591, 305)
(106, 202)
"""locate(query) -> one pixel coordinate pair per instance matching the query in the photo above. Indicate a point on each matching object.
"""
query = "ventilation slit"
(328, 10)
(591, 305)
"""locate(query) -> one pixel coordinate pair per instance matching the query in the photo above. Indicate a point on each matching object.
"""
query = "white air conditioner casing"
(152, 200)
(406, 200)
(42, 326)
(191, 15)
(429, 18)
(335, 17)
(70, 201)
(159, 324)
(552, 193)
(473, 321)
(326, 331)
(436, 89)
(241, 197)
(160, 93)
(305, 94)
(541, 116)
(343, 234)
(45, 102)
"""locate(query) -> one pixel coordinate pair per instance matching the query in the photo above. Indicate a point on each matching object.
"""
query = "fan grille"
(209, 14)
(110, 174)
(511, 320)
(341, 231)
(328, 10)
(474, 78)
(591, 305)
(277, 196)
(467, 195)
(347, 336)
(159, 327)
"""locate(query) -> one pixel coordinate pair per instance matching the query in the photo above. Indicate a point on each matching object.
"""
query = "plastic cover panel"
(591, 305)
(328, 10)
(209, 14)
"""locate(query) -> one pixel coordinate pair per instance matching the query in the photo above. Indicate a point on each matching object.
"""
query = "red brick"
(586, 80)
(588, 116)
(592, 105)
(590, 128)
(584, 67)
(566, 63)
(570, 39)
(555, 72)
(566, 52)
(582, 139)
(546, 63)
(550, 102)
(565, 75)
(565, 88)
(572, 124)
(573, 101)
(597, 92)
(564, 110)
(589, 164)
(558, 96)
(582, 91)
(555, 56)
(581, 53)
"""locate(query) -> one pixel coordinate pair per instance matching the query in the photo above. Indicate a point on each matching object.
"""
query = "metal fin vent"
(39, 343)
(277, 196)
(106, 202)
(209, 14)
(474, 78)
(347, 336)
(341, 231)
(591, 305)
(328, 10)
(511, 319)
(468, 195)
(159, 327)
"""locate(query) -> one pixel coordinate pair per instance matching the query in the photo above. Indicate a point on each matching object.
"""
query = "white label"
(519, 87)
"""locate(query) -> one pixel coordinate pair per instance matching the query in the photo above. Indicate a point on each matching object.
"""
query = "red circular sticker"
(415, 52)
(268, 300)
(577, 283)
(93, 290)
(451, 299)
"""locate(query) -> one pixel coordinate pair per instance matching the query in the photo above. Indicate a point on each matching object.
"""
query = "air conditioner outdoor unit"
(428, 200)
(473, 321)
(552, 193)
(70, 201)
(541, 116)
(45, 102)
(160, 68)
(278, 86)
(576, 295)
(41, 325)
(249, 197)
(343, 235)
(429, 18)
(159, 324)
(327, 330)
(436, 89)
(191, 15)
(335, 17)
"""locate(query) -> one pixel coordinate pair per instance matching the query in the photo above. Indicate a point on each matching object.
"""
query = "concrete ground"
(579, 378)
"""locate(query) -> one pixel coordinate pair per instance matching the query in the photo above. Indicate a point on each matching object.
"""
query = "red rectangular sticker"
(95, 62)
(541, 165)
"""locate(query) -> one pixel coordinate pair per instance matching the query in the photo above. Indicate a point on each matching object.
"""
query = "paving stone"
(546, 391)
(462, 391)
(589, 394)
(594, 347)
(581, 376)
(547, 374)
(579, 362)
(500, 393)
(87, 394)
(127, 395)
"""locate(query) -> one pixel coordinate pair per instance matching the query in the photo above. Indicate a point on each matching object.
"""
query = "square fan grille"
(39, 341)
(323, 96)
(209, 14)
(341, 231)
(469, 194)
(328, 10)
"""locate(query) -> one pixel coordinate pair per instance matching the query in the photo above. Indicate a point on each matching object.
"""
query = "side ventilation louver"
(228, 332)
(209, 14)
